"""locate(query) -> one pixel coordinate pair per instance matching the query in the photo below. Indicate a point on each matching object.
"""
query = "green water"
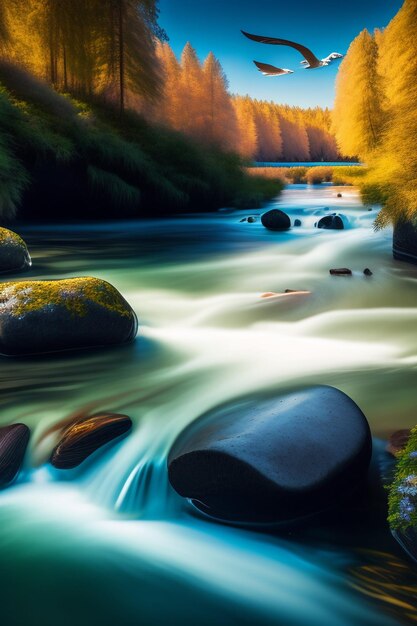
(110, 542)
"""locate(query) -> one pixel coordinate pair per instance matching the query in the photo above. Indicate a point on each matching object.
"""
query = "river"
(111, 543)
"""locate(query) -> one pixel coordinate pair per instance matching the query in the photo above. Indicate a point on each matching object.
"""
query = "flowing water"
(111, 543)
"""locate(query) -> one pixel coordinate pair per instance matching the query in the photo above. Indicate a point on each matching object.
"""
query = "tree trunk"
(121, 58)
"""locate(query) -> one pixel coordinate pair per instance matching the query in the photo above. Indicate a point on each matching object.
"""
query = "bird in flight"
(310, 61)
(271, 70)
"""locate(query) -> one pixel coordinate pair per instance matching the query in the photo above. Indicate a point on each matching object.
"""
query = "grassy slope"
(62, 159)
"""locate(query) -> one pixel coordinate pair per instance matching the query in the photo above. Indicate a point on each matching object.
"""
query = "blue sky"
(325, 26)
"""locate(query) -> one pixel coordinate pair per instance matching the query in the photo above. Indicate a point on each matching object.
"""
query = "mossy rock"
(14, 255)
(53, 315)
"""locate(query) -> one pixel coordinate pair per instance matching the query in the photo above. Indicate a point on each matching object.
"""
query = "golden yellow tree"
(358, 111)
(395, 164)
(248, 137)
(220, 122)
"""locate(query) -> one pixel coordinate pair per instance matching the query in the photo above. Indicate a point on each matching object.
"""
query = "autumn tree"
(220, 122)
(247, 131)
(395, 164)
(358, 111)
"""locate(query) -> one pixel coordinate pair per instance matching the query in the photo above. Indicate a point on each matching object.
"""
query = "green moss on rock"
(8, 236)
(403, 491)
(74, 294)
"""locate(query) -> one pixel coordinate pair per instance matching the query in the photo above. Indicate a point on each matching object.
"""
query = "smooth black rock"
(297, 222)
(53, 315)
(251, 219)
(273, 460)
(14, 255)
(341, 271)
(85, 437)
(404, 244)
(367, 272)
(276, 220)
(331, 222)
(13, 443)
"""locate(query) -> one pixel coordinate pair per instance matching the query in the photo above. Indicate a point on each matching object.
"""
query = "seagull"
(271, 70)
(310, 61)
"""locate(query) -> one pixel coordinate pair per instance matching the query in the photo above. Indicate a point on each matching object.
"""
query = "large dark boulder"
(404, 244)
(14, 255)
(273, 460)
(331, 222)
(13, 443)
(52, 315)
(276, 220)
(86, 436)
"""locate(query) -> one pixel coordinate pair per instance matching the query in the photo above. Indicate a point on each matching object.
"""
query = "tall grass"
(338, 175)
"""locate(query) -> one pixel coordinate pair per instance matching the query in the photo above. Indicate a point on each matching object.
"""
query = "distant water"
(111, 543)
(305, 164)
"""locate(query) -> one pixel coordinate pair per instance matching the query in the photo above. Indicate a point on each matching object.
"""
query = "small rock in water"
(297, 222)
(13, 443)
(51, 315)
(369, 209)
(339, 195)
(341, 271)
(14, 255)
(276, 220)
(398, 440)
(245, 219)
(273, 460)
(86, 436)
(367, 272)
(331, 222)
(251, 219)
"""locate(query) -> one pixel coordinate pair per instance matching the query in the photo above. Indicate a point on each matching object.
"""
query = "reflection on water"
(389, 580)
(205, 338)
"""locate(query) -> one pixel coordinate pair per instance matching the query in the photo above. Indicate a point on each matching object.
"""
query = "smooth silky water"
(110, 542)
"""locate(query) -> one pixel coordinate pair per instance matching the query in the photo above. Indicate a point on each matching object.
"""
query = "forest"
(92, 93)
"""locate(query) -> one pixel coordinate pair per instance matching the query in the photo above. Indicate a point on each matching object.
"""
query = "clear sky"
(324, 26)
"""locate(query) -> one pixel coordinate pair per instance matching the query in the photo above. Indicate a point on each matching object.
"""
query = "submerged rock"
(341, 271)
(287, 292)
(273, 460)
(244, 219)
(85, 437)
(14, 255)
(331, 222)
(53, 315)
(13, 443)
(276, 220)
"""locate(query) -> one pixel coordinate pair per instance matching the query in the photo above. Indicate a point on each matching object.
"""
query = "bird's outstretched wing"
(307, 54)
(270, 70)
